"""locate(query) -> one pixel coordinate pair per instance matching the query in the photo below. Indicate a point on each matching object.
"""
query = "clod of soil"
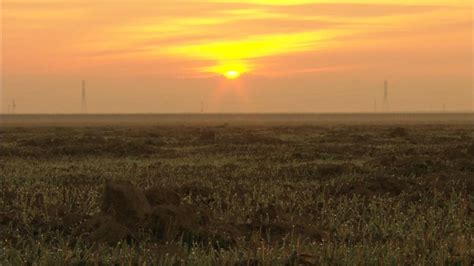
(371, 187)
(9, 196)
(102, 229)
(55, 211)
(158, 210)
(125, 203)
(71, 220)
(7, 217)
(470, 149)
(398, 132)
(407, 165)
(361, 138)
(191, 225)
(169, 221)
(415, 165)
(207, 136)
(330, 170)
(161, 195)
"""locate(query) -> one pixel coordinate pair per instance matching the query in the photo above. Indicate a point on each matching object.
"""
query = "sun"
(232, 74)
(229, 69)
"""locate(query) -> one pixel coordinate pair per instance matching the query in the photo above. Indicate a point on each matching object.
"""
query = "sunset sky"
(144, 56)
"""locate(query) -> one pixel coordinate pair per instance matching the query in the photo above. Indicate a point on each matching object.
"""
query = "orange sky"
(290, 55)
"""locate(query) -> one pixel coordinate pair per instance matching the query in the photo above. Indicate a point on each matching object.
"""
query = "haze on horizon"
(168, 56)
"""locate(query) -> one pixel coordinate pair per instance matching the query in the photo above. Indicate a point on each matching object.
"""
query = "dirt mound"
(160, 195)
(465, 165)
(361, 138)
(125, 203)
(398, 132)
(385, 185)
(381, 161)
(71, 220)
(127, 210)
(207, 136)
(406, 165)
(330, 170)
(317, 170)
(191, 225)
(454, 153)
(61, 217)
(9, 196)
(102, 229)
(343, 150)
(415, 165)
(55, 210)
(470, 150)
(170, 221)
(250, 137)
(380, 186)
(7, 217)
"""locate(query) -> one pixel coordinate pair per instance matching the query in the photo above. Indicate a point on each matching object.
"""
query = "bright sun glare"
(229, 69)
(231, 74)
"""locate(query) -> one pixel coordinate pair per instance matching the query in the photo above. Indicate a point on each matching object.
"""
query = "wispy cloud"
(209, 36)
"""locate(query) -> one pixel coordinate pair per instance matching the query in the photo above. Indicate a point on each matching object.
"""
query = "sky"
(174, 56)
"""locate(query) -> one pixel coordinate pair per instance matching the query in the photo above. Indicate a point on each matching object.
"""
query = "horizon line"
(248, 113)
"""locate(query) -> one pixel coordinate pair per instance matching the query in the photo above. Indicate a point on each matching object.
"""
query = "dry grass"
(229, 195)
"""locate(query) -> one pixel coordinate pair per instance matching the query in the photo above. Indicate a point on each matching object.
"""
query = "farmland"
(232, 193)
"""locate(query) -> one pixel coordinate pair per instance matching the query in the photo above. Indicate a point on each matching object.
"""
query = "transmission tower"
(13, 106)
(84, 102)
(385, 96)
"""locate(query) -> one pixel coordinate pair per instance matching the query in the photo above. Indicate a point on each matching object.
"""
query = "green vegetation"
(237, 195)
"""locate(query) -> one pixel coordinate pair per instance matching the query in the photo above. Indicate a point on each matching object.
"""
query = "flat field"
(227, 191)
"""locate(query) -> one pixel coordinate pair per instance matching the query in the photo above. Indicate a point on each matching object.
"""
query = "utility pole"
(84, 102)
(202, 107)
